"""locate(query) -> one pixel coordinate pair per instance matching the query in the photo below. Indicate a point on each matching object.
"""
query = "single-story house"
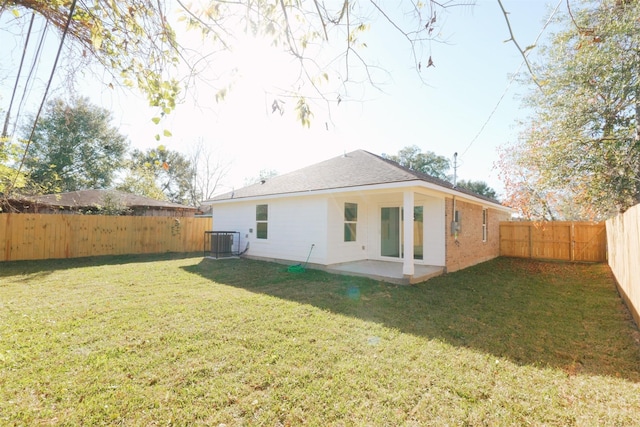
(362, 214)
(97, 201)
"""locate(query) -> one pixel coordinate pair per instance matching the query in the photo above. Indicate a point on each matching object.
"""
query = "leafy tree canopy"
(142, 44)
(478, 187)
(581, 149)
(263, 175)
(428, 162)
(132, 40)
(141, 180)
(171, 171)
(9, 157)
(74, 147)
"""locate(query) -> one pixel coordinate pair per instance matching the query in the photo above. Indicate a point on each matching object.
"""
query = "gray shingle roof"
(358, 168)
(91, 198)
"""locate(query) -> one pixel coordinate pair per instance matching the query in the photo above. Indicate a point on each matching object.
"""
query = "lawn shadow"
(558, 315)
(34, 269)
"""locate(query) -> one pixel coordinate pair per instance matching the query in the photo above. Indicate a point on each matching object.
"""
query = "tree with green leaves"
(140, 179)
(142, 44)
(478, 187)
(74, 147)
(9, 156)
(171, 171)
(582, 144)
(133, 40)
(427, 162)
(263, 175)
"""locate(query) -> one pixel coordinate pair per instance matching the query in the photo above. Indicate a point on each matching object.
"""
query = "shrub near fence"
(50, 236)
(561, 240)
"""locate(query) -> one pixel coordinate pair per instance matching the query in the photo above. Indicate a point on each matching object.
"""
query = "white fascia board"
(465, 196)
(329, 191)
(375, 187)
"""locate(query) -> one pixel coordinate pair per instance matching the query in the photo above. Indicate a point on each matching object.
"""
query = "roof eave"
(367, 187)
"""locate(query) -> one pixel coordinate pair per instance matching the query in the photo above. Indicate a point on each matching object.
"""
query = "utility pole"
(455, 169)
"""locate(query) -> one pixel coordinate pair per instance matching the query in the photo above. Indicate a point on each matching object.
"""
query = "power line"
(486, 122)
(28, 84)
(44, 97)
(513, 77)
(15, 86)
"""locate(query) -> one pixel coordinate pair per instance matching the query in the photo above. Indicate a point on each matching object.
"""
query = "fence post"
(572, 239)
(8, 238)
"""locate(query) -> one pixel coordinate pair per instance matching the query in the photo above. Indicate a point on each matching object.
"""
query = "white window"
(350, 221)
(484, 225)
(262, 217)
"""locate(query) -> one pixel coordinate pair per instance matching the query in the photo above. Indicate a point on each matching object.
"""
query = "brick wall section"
(469, 248)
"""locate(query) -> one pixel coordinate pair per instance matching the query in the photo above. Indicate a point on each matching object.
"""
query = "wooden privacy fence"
(49, 236)
(623, 236)
(561, 240)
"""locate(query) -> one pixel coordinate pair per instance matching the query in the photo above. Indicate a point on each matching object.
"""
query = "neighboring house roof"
(355, 169)
(92, 198)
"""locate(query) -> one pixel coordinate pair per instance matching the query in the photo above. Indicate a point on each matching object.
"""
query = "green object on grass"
(299, 268)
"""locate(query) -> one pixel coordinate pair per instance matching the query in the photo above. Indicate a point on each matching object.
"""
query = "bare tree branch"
(204, 24)
(515, 42)
(324, 26)
(290, 39)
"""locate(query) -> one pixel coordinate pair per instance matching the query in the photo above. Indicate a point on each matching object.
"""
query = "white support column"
(408, 202)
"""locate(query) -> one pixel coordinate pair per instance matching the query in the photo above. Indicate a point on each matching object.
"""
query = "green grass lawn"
(184, 341)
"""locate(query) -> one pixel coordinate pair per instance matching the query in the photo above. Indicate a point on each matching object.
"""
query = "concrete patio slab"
(386, 271)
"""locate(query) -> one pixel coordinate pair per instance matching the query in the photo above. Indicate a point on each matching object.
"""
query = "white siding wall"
(376, 204)
(341, 251)
(293, 226)
(297, 223)
(434, 231)
(235, 217)
(367, 245)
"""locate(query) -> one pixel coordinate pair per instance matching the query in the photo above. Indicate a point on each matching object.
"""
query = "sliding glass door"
(390, 232)
(418, 232)
(391, 225)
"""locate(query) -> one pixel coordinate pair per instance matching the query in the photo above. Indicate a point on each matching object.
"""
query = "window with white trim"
(484, 224)
(350, 221)
(262, 218)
